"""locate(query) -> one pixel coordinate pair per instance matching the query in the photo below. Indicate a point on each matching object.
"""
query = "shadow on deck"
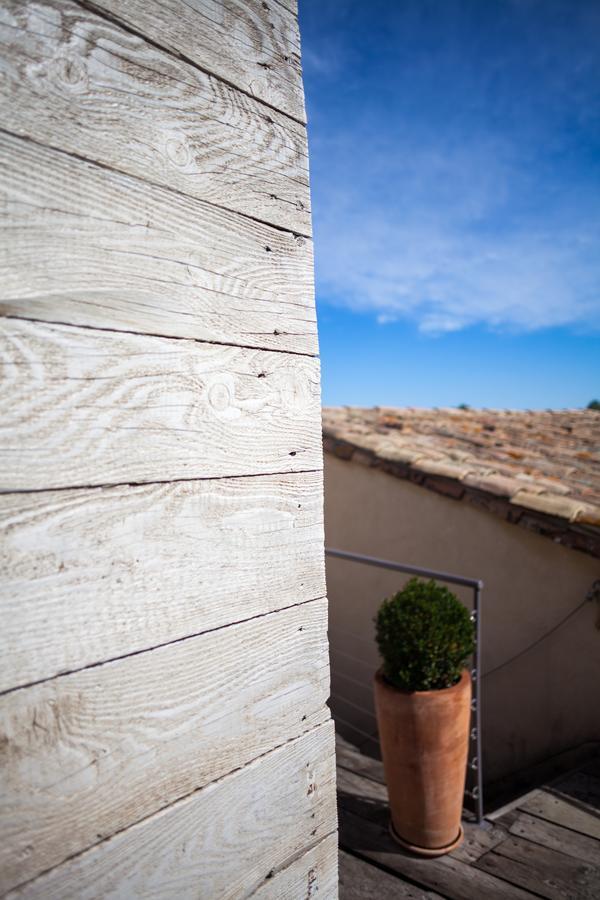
(545, 844)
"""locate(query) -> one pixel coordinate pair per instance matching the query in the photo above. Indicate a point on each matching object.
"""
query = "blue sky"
(455, 171)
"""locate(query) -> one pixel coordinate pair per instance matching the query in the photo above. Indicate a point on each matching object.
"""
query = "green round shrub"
(425, 636)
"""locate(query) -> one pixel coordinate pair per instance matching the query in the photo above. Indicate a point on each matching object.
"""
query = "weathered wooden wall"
(163, 658)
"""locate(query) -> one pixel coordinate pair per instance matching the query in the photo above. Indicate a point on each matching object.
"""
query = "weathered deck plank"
(207, 845)
(184, 129)
(86, 407)
(348, 757)
(90, 575)
(85, 246)
(547, 806)
(359, 880)
(364, 797)
(450, 877)
(542, 846)
(555, 837)
(88, 754)
(543, 872)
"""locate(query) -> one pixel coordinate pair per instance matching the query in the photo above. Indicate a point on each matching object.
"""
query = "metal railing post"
(478, 797)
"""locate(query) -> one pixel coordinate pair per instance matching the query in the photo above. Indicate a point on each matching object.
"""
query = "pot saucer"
(427, 851)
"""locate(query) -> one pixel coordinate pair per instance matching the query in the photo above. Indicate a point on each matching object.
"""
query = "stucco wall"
(544, 702)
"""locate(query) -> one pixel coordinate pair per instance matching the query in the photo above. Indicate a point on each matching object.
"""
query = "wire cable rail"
(539, 640)
(474, 770)
(476, 585)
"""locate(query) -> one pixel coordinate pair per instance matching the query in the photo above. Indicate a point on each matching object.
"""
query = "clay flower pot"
(424, 743)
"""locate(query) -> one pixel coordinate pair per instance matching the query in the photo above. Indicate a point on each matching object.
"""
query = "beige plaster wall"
(544, 702)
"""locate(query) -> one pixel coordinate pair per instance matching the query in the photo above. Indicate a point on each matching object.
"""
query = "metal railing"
(476, 585)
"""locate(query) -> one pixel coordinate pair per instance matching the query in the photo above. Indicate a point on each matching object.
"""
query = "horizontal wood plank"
(81, 407)
(364, 797)
(223, 841)
(90, 575)
(314, 874)
(542, 871)
(86, 246)
(249, 43)
(561, 812)
(76, 81)
(88, 754)
(445, 875)
(349, 757)
(555, 837)
(360, 880)
(290, 5)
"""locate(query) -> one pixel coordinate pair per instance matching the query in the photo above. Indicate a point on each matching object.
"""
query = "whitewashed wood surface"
(160, 458)
(314, 874)
(86, 246)
(290, 5)
(88, 754)
(81, 407)
(76, 81)
(249, 43)
(222, 841)
(90, 575)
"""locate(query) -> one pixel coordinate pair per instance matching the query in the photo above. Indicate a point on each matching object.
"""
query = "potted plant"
(423, 700)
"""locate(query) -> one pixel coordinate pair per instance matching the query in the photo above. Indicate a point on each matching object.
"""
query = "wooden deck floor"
(546, 844)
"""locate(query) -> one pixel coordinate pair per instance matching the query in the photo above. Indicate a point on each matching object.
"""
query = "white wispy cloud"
(478, 212)
(438, 246)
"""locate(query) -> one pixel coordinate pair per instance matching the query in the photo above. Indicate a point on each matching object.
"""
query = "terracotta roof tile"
(547, 462)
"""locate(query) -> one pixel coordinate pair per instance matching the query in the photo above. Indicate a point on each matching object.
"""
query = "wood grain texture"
(555, 837)
(314, 874)
(88, 754)
(349, 757)
(223, 841)
(544, 872)
(290, 5)
(364, 797)
(86, 246)
(249, 43)
(359, 880)
(81, 407)
(447, 876)
(89, 575)
(554, 809)
(78, 82)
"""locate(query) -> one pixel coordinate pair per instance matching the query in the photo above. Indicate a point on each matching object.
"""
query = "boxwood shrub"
(425, 636)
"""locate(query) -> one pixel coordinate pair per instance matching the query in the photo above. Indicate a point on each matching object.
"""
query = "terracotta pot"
(424, 743)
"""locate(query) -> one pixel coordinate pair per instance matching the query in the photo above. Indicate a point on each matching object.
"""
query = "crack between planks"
(134, 484)
(291, 860)
(179, 81)
(569, 828)
(287, 9)
(539, 841)
(155, 184)
(167, 806)
(177, 54)
(179, 640)
(504, 877)
(166, 337)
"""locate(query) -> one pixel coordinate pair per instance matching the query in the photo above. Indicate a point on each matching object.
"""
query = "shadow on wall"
(539, 705)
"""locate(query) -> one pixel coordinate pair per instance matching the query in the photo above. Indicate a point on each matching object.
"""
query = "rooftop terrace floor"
(545, 844)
